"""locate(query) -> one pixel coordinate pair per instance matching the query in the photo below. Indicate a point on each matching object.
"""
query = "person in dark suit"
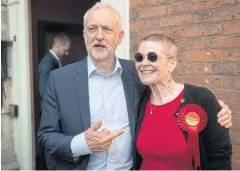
(89, 109)
(177, 125)
(52, 60)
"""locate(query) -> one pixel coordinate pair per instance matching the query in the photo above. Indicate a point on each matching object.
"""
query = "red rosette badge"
(192, 119)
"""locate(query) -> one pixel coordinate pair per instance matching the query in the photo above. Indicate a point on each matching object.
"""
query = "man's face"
(102, 34)
(63, 49)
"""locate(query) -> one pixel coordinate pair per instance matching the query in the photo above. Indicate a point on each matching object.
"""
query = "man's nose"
(99, 35)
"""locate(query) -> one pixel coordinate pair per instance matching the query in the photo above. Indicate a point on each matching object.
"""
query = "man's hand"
(225, 115)
(100, 140)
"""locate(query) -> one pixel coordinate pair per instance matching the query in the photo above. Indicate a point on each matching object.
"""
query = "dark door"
(47, 31)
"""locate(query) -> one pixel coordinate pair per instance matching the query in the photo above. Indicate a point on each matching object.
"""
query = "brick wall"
(208, 36)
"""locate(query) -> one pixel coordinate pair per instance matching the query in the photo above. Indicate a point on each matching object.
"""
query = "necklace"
(152, 108)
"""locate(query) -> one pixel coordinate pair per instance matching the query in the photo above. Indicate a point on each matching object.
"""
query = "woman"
(177, 125)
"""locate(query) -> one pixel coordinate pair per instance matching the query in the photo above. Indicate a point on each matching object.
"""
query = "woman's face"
(152, 73)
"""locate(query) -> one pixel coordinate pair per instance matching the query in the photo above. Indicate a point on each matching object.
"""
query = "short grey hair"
(102, 5)
(170, 47)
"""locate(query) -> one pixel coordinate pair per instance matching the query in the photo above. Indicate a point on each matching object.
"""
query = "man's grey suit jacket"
(66, 111)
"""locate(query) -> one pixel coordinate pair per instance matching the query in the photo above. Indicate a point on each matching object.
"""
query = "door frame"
(123, 51)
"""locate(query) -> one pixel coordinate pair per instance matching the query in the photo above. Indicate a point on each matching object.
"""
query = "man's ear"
(120, 37)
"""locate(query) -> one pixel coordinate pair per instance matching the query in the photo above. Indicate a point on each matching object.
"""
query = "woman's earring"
(170, 78)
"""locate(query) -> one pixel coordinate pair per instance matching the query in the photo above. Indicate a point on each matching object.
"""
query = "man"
(102, 91)
(52, 60)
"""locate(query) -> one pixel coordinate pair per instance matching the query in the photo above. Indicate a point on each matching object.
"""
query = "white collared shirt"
(58, 59)
(107, 103)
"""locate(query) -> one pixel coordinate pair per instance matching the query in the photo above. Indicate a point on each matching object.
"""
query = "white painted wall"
(18, 24)
(122, 6)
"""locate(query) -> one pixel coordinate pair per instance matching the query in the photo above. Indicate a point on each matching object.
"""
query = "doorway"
(49, 18)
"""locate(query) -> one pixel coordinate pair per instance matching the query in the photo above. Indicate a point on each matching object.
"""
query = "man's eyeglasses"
(151, 56)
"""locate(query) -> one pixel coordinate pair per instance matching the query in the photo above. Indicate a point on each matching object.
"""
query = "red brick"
(223, 95)
(202, 4)
(203, 16)
(236, 11)
(197, 43)
(148, 12)
(163, 1)
(228, 96)
(223, 69)
(180, 45)
(226, 41)
(236, 164)
(136, 3)
(180, 56)
(204, 81)
(134, 36)
(227, 13)
(236, 152)
(152, 23)
(148, 32)
(231, 55)
(235, 137)
(235, 97)
(176, 8)
(235, 110)
(229, 2)
(203, 30)
(203, 69)
(237, 84)
(178, 32)
(231, 27)
(132, 14)
(183, 19)
(237, 68)
(138, 25)
(228, 83)
(167, 1)
(236, 126)
(152, 2)
(134, 48)
(183, 69)
(180, 20)
(163, 21)
(178, 78)
(203, 55)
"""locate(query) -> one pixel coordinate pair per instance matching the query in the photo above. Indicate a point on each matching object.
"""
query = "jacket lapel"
(128, 86)
(81, 86)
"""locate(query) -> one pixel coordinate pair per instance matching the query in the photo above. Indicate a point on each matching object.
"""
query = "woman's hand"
(225, 115)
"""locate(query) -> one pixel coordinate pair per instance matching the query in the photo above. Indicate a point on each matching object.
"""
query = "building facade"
(207, 33)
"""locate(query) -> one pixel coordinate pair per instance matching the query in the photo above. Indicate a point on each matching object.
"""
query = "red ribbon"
(192, 119)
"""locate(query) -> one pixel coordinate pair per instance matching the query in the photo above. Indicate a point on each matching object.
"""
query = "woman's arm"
(216, 138)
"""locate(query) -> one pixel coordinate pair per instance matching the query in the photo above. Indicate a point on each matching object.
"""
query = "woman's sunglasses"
(151, 56)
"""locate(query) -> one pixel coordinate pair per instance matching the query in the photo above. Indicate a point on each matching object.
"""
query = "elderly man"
(90, 107)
